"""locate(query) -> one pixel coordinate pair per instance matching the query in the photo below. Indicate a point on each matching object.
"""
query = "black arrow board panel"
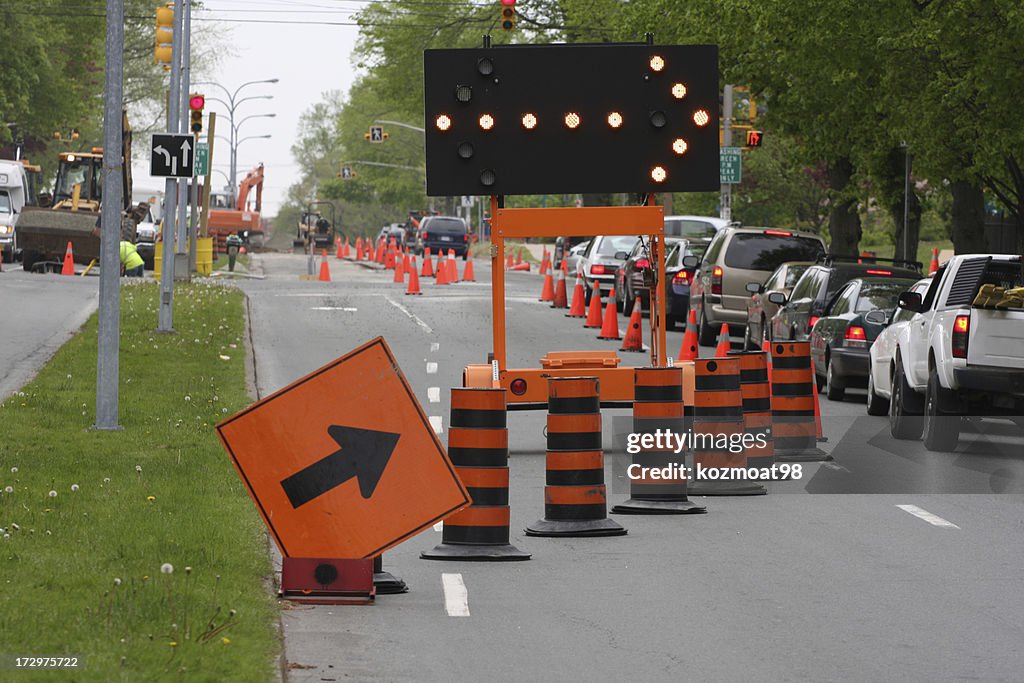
(172, 155)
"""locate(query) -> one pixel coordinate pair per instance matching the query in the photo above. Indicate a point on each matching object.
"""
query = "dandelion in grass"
(225, 640)
(167, 568)
(53, 494)
(150, 498)
(14, 470)
(138, 468)
(8, 489)
(74, 487)
(117, 581)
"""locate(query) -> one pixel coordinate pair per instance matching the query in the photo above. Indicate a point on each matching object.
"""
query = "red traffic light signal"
(196, 102)
(508, 15)
(754, 138)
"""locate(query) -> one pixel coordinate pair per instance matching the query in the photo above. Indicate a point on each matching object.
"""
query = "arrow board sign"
(172, 155)
(343, 463)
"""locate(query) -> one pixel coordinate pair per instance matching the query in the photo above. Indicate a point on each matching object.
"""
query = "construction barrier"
(575, 498)
(478, 447)
(794, 428)
(717, 430)
(384, 582)
(658, 405)
(757, 406)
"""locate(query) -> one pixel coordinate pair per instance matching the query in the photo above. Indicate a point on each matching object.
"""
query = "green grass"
(483, 250)
(81, 569)
(924, 249)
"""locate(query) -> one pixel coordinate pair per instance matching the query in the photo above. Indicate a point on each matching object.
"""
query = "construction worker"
(131, 262)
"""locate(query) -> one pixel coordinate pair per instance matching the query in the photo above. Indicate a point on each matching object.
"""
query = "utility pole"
(166, 317)
(725, 212)
(183, 183)
(108, 339)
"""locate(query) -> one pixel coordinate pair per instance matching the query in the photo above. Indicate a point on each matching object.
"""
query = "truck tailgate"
(996, 338)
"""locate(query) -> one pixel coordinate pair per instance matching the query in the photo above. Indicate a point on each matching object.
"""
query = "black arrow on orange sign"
(364, 454)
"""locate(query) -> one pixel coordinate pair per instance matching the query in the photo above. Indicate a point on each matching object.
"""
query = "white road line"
(439, 526)
(414, 318)
(456, 597)
(334, 308)
(434, 346)
(435, 422)
(834, 466)
(431, 368)
(434, 394)
(927, 516)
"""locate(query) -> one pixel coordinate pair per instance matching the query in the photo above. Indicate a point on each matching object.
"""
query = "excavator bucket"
(44, 235)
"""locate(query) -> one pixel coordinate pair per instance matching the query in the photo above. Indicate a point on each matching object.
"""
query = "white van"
(13, 191)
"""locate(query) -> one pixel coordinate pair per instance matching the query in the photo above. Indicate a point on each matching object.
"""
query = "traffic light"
(755, 138)
(164, 35)
(196, 103)
(508, 15)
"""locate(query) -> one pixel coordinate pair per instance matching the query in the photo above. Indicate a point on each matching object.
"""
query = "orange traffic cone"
(578, 308)
(524, 267)
(69, 262)
(389, 261)
(441, 272)
(634, 337)
(428, 264)
(561, 299)
(325, 271)
(724, 345)
(400, 269)
(508, 261)
(359, 247)
(934, 265)
(610, 328)
(689, 350)
(766, 346)
(547, 291)
(544, 264)
(817, 411)
(414, 280)
(594, 312)
(453, 269)
(338, 254)
(519, 257)
(346, 253)
(467, 273)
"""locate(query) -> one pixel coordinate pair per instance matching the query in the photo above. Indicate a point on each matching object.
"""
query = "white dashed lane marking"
(412, 316)
(435, 422)
(927, 516)
(431, 368)
(456, 597)
(434, 394)
(434, 346)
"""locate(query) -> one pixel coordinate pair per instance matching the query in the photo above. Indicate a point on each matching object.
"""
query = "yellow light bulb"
(679, 91)
(658, 174)
(486, 121)
(701, 117)
(657, 63)
(679, 146)
(572, 119)
(443, 122)
(615, 119)
(529, 121)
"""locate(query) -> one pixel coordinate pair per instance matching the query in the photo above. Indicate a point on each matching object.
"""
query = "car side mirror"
(621, 255)
(777, 298)
(876, 316)
(690, 262)
(755, 287)
(911, 301)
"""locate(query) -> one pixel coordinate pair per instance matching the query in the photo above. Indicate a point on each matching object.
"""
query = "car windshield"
(445, 225)
(793, 274)
(679, 227)
(761, 251)
(609, 246)
(5, 202)
(882, 296)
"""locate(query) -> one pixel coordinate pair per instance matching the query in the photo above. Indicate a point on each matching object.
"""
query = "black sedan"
(634, 277)
(841, 338)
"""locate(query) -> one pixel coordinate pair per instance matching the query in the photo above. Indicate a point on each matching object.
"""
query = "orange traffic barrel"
(794, 429)
(478, 447)
(657, 475)
(384, 582)
(575, 498)
(757, 407)
(716, 437)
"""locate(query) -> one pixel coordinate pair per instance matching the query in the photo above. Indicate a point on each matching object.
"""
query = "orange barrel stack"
(658, 405)
(478, 447)
(757, 407)
(793, 402)
(575, 498)
(719, 458)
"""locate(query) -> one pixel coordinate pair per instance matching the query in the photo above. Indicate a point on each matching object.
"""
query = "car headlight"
(6, 230)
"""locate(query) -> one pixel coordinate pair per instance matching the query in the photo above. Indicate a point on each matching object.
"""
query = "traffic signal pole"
(725, 212)
(165, 314)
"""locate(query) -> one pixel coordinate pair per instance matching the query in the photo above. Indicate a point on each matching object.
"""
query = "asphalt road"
(788, 586)
(38, 313)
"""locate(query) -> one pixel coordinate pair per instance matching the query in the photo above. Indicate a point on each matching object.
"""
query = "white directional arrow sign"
(171, 155)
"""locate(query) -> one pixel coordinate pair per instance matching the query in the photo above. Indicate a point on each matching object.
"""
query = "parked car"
(443, 232)
(760, 310)
(630, 278)
(573, 259)
(738, 255)
(817, 287)
(392, 230)
(560, 248)
(634, 277)
(961, 353)
(882, 351)
(694, 228)
(840, 339)
(601, 261)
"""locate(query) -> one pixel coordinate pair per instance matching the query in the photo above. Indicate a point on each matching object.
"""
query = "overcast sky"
(310, 58)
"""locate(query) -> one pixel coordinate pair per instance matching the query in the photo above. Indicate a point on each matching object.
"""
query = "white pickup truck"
(962, 353)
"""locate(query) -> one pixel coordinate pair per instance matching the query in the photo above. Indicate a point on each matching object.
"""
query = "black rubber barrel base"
(475, 553)
(387, 583)
(583, 527)
(802, 455)
(721, 488)
(634, 506)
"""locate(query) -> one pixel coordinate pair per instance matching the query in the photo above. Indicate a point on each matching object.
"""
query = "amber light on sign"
(443, 122)
(658, 174)
(701, 117)
(572, 119)
(615, 119)
(486, 121)
(657, 63)
(679, 91)
(679, 146)
(529, 121)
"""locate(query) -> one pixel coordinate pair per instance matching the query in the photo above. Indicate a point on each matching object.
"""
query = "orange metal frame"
(616, 383)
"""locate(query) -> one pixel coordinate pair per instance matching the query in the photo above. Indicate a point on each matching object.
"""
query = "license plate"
(446, 238)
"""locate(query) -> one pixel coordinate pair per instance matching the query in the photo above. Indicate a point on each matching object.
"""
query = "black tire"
(29, 258)
(465, 255)
(904, 421)
(941, 431)
(877, 405)
(705, 333)
(7, 255)
(671, 322)
(835, 385)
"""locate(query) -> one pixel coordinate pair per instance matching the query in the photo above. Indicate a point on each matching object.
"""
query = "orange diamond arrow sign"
(343, 462)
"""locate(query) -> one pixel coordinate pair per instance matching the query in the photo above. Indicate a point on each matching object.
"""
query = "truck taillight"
(855, 337)
(681, 278)
(597, 269)
(961, 331)
(716, 280)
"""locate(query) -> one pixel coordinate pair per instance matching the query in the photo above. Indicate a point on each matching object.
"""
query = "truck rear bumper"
(1007, 381)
